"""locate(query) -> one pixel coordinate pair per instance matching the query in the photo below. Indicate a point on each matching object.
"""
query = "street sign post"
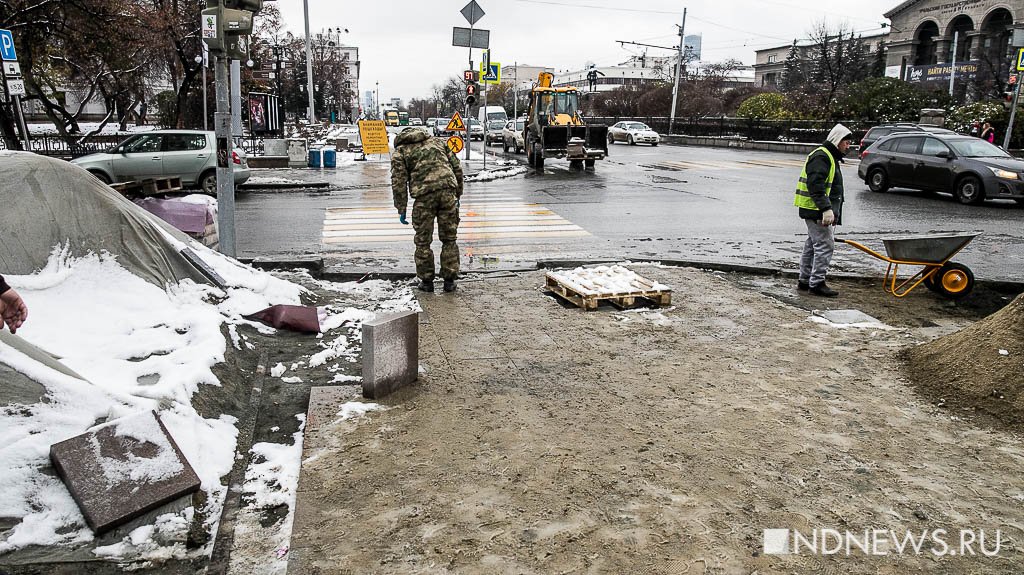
(456, 124)
(7, 51)
(492, 75)
(455, 144)
(471, 38)
(472, 12)
(12, 69)
(1016, 98)
(16, 87)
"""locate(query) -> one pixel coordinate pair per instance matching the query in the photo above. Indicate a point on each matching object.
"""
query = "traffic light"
(469, 76)
(471, 91)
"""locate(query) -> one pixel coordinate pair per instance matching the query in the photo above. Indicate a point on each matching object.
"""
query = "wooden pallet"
(148, 187)
(621, 300)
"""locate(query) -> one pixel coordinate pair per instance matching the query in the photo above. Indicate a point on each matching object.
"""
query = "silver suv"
(186, 154)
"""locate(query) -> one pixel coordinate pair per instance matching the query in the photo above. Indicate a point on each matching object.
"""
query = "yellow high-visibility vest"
(803, 195)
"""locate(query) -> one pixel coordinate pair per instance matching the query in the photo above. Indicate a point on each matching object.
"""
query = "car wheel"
(611, 139)
(654, 144)
(101, 176)
(1019, 201)
(505, 146)
(529, 155)
(878, 181)
(969, 191)
(208, 182)
(631, 141)
(538, 158)
(589, 164)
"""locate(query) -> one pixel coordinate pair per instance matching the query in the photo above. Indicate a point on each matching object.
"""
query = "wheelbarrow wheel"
(954, 280)
(931, 282)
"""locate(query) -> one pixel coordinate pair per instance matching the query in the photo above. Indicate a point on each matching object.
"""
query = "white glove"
(828, 218)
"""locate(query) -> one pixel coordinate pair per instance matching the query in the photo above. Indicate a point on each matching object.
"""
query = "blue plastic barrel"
(330, 157)
(314, 158)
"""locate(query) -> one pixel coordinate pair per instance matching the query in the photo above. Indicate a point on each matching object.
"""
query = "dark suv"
(878, 132)
(969, 168)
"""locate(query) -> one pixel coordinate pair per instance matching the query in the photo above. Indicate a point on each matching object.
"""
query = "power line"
(596, 7)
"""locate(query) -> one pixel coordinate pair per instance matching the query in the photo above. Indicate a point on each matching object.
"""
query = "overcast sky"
(406, 44)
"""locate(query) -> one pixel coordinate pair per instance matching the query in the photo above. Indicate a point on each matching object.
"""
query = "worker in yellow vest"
(819, 195)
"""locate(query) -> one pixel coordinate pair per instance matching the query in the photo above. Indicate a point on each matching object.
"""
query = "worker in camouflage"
(423, 167)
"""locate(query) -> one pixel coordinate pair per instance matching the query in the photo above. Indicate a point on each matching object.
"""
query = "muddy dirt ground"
(544, 439)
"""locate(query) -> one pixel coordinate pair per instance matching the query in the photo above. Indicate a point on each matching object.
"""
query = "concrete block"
(847, 317)
(275, 147)
(123, 469)
(390, 353)
(298, 150)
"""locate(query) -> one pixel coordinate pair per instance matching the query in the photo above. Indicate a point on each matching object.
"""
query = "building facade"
(929, 35)
(770, 63)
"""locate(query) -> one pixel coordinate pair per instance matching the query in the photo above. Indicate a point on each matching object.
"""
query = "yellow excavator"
(555, 129)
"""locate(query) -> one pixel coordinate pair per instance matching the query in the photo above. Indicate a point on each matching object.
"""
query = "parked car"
(880, 131)
(969, 168)
(415, 122)
(512, 135)
(439, 127)
(186, 154)
(494, 131)
(634, 133)
(476, 129)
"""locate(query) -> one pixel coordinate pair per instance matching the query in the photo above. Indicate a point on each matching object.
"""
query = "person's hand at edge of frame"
(13, 311)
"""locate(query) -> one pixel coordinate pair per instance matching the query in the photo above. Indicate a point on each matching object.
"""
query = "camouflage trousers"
(442, 206)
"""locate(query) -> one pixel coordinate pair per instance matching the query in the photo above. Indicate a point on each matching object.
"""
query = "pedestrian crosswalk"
(705, 165)
(483, 219)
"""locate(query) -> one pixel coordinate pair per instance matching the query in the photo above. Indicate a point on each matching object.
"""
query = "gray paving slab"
(123, 469)
(390, 353)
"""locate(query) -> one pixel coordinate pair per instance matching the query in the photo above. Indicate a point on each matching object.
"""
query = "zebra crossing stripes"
(480, 220)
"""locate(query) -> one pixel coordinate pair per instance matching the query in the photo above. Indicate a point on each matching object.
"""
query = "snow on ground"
(489, 175)
(270, 180)
(147, 349)
(605, 280)
(86, 127)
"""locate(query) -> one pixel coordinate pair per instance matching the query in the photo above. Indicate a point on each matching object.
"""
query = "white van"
(489, 114)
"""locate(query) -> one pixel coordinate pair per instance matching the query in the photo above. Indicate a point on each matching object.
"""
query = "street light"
(376, 104)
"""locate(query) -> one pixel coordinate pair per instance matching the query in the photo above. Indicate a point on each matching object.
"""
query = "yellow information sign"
(455, 144)
(374, 135)
(1020, 60)
(456, 125)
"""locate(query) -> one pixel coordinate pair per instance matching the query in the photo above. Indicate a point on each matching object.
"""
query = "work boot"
(426, 286)
(823, 290)
(449, 285)
(802, 285)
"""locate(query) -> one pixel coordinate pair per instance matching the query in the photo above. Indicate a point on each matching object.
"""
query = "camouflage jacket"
(422, 165)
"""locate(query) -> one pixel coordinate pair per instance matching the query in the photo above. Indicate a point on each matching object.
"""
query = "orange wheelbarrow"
(939, 274)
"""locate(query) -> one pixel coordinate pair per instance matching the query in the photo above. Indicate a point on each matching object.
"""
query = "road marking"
(481, 220)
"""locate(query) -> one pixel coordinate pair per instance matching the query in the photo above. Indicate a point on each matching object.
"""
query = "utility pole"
(309, 66)
(952, 68)
(469, 140)
(679, 65)
(225, 28)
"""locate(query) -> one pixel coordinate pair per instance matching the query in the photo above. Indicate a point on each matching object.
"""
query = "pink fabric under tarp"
(186, 216)
(303, 319)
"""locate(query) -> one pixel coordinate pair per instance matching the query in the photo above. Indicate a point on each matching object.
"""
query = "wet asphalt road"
(668, 202)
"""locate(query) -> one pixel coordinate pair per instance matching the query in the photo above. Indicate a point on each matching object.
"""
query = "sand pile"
(979, 367)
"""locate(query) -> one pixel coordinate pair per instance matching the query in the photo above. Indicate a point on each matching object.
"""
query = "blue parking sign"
(7, 46)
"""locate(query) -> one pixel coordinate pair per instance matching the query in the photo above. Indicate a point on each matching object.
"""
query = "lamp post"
(376, 104)
(311, 112)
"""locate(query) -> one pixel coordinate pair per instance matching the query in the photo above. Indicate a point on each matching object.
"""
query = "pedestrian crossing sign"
(1020, 60)
(456, 125)
(492, 75)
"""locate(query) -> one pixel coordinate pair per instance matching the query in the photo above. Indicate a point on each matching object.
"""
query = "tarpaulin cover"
(45, 202)
(185, 216)
(304, 319)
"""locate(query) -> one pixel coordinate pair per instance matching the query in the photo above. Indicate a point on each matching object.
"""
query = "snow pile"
(490, 175)
(604, 280)
(140, 348)
(270, 181)
(87, 127)
(357, 409)
(273, 477)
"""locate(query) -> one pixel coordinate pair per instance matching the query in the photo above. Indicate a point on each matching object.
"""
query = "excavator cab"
(555, 128)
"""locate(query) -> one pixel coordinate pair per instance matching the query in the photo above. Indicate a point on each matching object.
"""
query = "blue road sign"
(7, 46)
(1020, 60)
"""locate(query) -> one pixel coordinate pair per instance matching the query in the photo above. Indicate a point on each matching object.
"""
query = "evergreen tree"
(793, 77)
(856, 67)
(878, 64)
